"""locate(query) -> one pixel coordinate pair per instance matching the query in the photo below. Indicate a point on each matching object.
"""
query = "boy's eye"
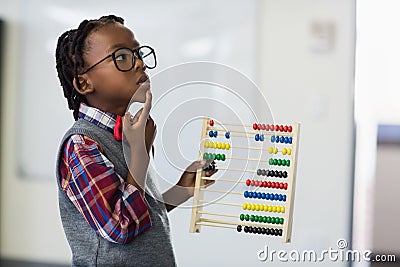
(121, 57)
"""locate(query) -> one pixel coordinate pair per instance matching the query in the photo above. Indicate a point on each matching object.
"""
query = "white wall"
(304, 78)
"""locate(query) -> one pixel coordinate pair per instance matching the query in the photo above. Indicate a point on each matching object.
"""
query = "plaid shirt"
(113, 208)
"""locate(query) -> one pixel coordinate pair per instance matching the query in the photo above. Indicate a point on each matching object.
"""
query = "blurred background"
(331, 65)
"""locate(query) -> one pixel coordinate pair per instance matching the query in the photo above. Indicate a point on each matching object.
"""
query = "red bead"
(258, 126)
(276, 127)
(289, 129)
(266, 127)
(271, 127)
(273, 184)
(255, 126)
(256, 183)
(285, 128)
(211, 123)
(252, 182)
(248, 182)
(264, 184)
(281, 185)
(285, 186)
(269, 184)
(281, 128)
(262, 126)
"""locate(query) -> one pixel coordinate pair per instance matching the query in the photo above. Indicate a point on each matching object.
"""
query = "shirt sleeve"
(114, 208)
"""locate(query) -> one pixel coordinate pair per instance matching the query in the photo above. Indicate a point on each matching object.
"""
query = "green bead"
(246, 217)
(265, 219)
(268, 219)
(281, 220)
(257, 218)
(213, 156)
(241, 217)
(283, 162)
(252, 218)
(271, 161)
(288, 163)
(275, 161)
(223, 157)
(279, 162)
(218, 156)
(273, 220)
(205, 156)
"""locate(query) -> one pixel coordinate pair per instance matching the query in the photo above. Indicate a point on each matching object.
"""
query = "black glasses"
(124, 58)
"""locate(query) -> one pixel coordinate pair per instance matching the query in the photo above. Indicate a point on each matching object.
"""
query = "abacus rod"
(238, 170)
(222, 179)
(221, 191)
(216, 225)
(221, 203)
(264, 132)
(251, 159)
(218, 214)
(241, 223)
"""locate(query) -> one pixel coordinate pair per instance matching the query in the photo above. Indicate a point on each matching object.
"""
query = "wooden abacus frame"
(197, 218)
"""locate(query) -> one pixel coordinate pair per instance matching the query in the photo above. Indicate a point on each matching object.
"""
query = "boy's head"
(101, 64)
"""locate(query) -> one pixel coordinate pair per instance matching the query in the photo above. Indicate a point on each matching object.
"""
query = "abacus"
(267, 200)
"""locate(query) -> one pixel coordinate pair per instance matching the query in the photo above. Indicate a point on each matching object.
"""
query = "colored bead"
(239, 228)
(283, 209)
(267, 196)
(246, 194)
(261, 137)
(286, 140)
(277, 139)
(252, 218)
(215, 133)
(241, 217)
(282, 139)
(206, 145)
(280, 198)
(257, 137)
(210, 133)
(280, 220)
(211, 123)
(262, 126)
(276, 173)
(290, 140)
(228, 135)
(265, 207)
(205, 155)
(289, 151)
(270, 150)
(257, 207)
(270, 208)
(263, 172)
(288, 162)
(269, 184)
(247, 217)
(276, 150)
(268, 219)
(267, 231)
(273, 138)
(259, 172)
(272, 220)
(244, 206)
(264, 184)
(259, 126)
(263, 231)
(281, 128)
(276, 127)
(257, 183)
(263, 195)
(271, 161)
(228, 146)
(259, 195)
(276, 196)
(284, 151)
(280, 174)
(246, 229)
(256, 218)
(285, 128)
(289, 129)
(274, 208)
(275, 162)
(285, 185)
(252, 182)
(255, 126)
(285, 174)
(248, 182)
(284, 198)
(253, 206)
(218, 157)
(279, 162)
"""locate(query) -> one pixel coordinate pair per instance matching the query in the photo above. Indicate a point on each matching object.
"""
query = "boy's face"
(113, 88)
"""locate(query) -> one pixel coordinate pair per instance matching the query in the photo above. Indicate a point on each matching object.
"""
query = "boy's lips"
(144, 78)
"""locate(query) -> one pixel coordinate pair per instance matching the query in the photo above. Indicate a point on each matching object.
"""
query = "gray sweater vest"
(151, 248)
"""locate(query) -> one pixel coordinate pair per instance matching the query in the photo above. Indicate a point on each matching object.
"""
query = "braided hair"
(71, 47)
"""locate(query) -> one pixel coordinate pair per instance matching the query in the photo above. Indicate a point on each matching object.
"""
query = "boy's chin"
(140, 94)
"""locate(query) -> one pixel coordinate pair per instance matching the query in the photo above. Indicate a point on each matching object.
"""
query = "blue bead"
(280, 197)
(258, 195)
(286, 140)
(290, 140)
(284, 198)
(257, 137)
(246, 194)
(228, 135)
(282, 139)
(267, 196)
(277, 139)
(211, 134)
(276, 197)
(261, 137)
(273, 138)
(263, 195)
(254, 194)
(215, 133)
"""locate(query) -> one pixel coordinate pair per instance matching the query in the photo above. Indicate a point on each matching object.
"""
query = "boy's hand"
(150, 133)
(134, 127)
(188, 178)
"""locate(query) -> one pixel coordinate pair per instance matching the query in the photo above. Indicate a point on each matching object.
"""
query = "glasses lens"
(124, 59)
(148, 56)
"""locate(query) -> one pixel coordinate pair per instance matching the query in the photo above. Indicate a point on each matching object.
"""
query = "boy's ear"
(86, 85)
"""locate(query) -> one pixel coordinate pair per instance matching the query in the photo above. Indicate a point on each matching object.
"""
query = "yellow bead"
(222, 145)
(284, 151)
(289, 151)
(253, 207)
(218, 145)
(265, 207)
(279, 209)
(283, 209)
(244, 206)
(269, 208)
(274, 209)
(228, 146)
(270, 150)
(275, 150)
(214, 145)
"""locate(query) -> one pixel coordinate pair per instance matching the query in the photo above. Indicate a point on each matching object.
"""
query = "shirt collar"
(104, 120)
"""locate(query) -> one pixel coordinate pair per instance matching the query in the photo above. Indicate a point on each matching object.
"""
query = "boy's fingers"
(146, 107)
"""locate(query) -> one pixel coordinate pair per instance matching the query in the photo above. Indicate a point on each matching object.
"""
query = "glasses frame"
(136, 54)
